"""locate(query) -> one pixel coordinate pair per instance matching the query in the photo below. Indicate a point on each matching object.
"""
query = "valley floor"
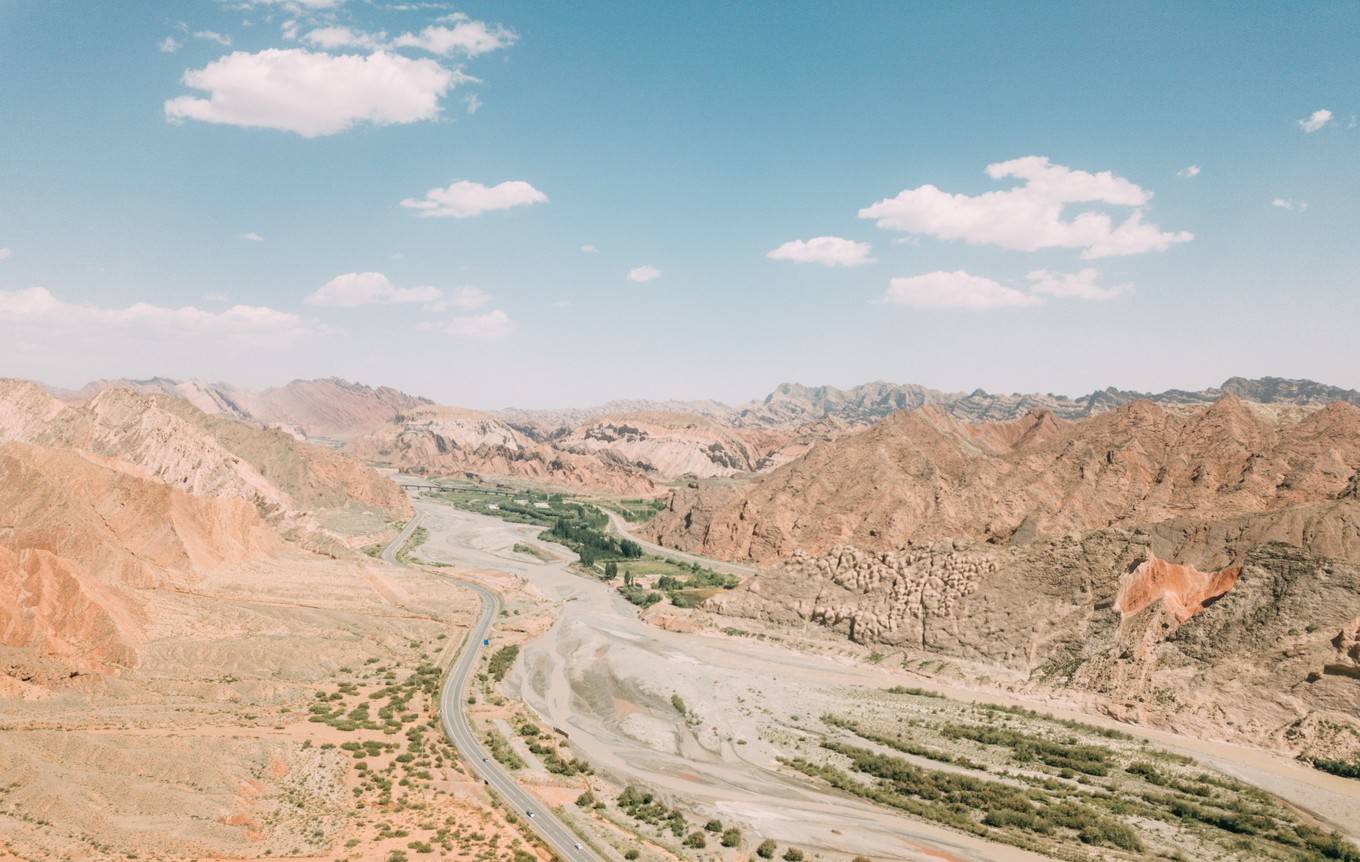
(613, 682)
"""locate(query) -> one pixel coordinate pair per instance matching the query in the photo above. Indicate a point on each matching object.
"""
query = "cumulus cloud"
(312, 93)
(956, 289)
(1289, 204)
(643, 274)
(1074, 285)
(493, 324)
(168, 45)
(39, 307)
(1188, 172)
(465, 199)
(1315, 121)
(589, 249)
(252, 236)
(826, 250)
(354, 289)
(213, 36)
(1029, 217)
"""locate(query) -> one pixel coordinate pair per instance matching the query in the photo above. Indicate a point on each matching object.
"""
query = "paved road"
(621, 527)
(459, 731)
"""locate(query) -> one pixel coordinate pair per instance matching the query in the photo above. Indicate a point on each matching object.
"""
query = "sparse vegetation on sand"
(1054, 786)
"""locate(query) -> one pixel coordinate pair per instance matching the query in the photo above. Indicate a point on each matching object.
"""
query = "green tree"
(627, 577)
(611, 570)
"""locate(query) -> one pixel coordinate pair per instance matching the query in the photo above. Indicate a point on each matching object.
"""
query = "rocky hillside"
(925, 475)
(1189, 567)
(672, 445)
(299, 487)
(79, 537)
(326, 407)
(435, 440)
(1263, 650)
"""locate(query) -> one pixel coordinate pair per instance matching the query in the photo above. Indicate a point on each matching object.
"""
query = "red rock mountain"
(923, 475)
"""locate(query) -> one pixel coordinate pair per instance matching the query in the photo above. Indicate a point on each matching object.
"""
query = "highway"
(459, 730)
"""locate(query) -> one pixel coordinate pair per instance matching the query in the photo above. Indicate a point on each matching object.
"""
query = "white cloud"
(1074, 285)
(473, 102)
(289, 30)
(252, 236)
(312, 93)
(37, 306)
(1029, 217)
(466, 37)
(354, 289)
(643, 274)
(168, 45)
(464, 299)
(589, 249)
(956, 289)
(4, 253)
(214, 36)
(493, 324)
(331, 38)
(464, 199)
(826, 250)
(1289, 204)
(1316, 120)
(560, 303)
(1188, 172)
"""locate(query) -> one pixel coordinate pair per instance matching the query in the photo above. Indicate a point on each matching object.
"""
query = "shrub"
(766, 849)
(696, 840)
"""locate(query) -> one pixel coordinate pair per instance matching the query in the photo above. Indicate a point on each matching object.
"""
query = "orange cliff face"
(1183, 590)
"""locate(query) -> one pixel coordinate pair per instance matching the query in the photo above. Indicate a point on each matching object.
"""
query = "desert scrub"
(501, 660)
(501, 750)
(1065, 754)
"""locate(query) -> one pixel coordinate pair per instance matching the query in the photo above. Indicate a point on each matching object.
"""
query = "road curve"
(459, 730)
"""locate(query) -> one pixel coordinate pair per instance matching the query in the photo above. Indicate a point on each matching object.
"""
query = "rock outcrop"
(437, 440)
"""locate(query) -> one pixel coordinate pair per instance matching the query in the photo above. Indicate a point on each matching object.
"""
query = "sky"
(549, 204)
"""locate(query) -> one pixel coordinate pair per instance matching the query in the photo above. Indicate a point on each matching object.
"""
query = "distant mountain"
(792, 404)
(549, 424)
(326, 407)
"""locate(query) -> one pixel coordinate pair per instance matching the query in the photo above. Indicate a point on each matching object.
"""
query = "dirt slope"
(80, 536)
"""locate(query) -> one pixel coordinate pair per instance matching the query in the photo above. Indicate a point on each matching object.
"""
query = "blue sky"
(694, 139)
